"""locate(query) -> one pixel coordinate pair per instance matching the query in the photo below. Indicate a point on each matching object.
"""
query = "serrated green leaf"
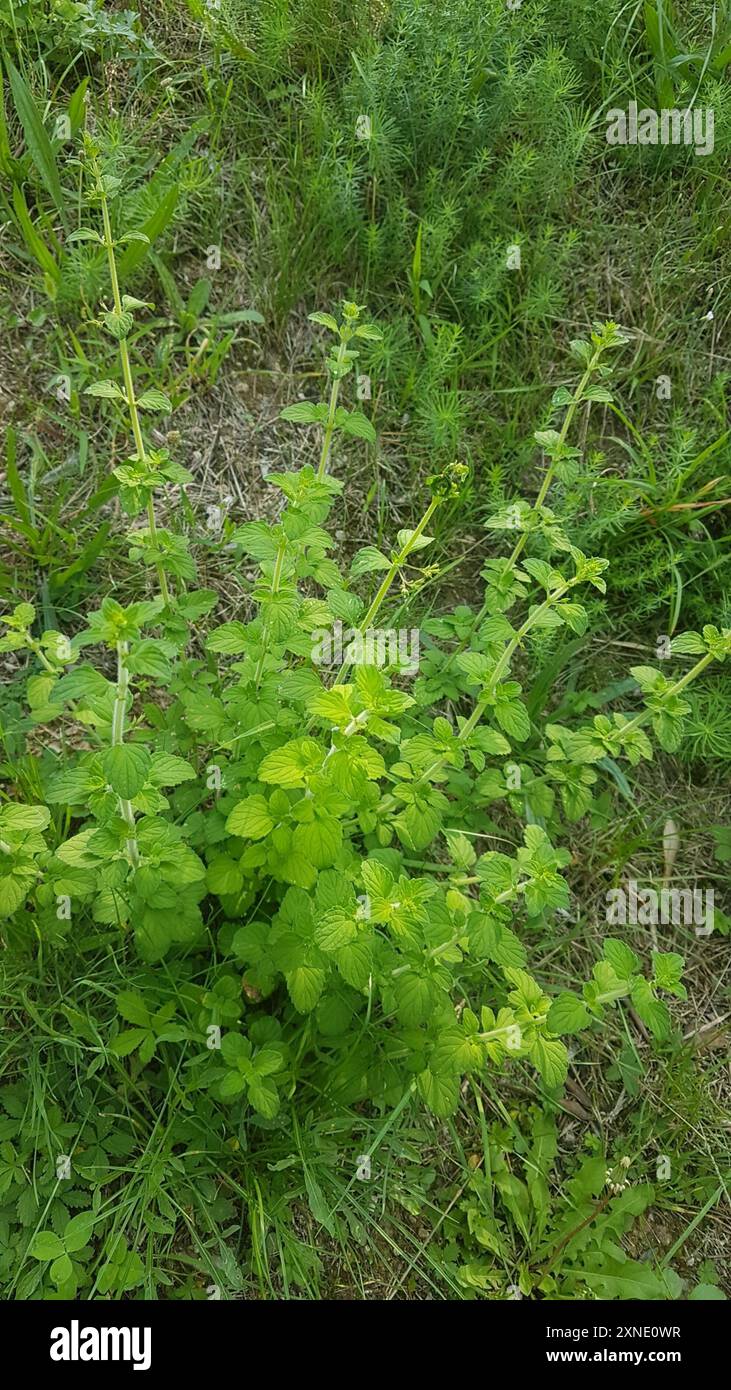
(168, 770)
(251, 819)
(154, 400)
(551, 1060)
(126, 767)
(108, 390)
(319, 841)
(335, 928)
(233, 1084)
(567, 1014)
(439, 1091)
(622, 959)
(264, 1096)
(133, 1007)
(305, 985)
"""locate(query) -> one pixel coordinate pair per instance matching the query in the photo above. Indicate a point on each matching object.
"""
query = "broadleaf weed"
(281, 844)
(322, 790)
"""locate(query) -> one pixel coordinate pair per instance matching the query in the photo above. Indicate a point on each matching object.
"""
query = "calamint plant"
(146, 469)
(326, 836)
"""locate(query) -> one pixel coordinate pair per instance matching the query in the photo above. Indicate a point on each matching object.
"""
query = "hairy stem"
(389, 577)
(540, 499)
(37, 650)
(689, 676)
(332, 406)
(127, 369)
(118, 713)
(550, 471)
(276, 581)
(390, 802)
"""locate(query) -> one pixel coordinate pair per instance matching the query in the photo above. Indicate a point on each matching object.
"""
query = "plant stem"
(118, 713)
(540, 499)
(689, 676)
(481, 705)
(389, 803)
(550, 471)
(389, 577)
(37, 650)
(330, 423)
(276, 581)
(127, 369)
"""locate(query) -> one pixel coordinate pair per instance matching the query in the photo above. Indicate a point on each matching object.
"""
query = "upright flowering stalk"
(146, 469)
(340, 361)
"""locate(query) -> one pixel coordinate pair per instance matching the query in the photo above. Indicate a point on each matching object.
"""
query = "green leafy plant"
(303, 871)
(301, 805)
(528, 1232)
(57, 1250)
